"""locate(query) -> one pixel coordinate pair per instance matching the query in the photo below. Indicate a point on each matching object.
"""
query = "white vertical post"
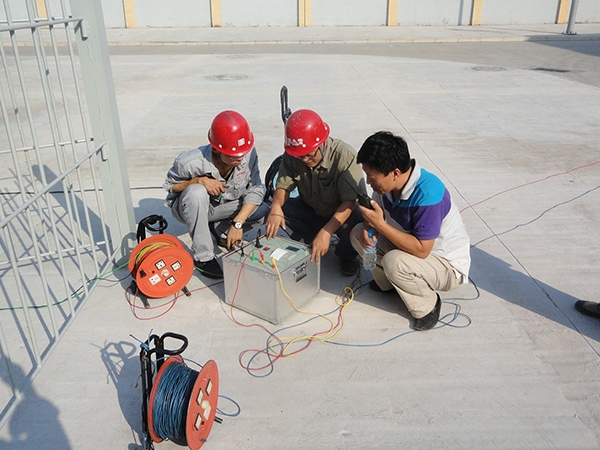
(102, 106)
(572, 15)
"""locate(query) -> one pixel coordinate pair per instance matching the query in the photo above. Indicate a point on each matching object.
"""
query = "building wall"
(291, 13)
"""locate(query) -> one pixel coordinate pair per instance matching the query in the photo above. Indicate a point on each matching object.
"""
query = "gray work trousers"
(415, 279)
(194, 208)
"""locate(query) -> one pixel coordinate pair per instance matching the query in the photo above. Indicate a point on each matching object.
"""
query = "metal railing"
(66, 212)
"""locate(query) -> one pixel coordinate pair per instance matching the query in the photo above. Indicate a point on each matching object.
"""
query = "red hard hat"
(230, 134)
(304, 132)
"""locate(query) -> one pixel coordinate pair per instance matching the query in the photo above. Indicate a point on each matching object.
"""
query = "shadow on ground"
(47, 432)
(492, 274)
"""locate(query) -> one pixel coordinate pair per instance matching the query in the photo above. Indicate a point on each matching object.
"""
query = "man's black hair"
(384, 152)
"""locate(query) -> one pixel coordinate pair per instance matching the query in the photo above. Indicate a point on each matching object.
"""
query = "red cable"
(171, 302)
(237, 285)
(528, 183)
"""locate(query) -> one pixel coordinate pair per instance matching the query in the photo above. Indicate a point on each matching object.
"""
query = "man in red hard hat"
(328, 180)
(219, 182)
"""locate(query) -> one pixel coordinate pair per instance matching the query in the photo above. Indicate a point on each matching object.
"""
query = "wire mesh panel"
(56, 221)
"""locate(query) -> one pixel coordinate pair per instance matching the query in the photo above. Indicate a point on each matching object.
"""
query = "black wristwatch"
(237, 225)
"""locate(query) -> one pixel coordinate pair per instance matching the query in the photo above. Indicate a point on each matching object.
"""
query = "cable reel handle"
(162, 224)
(286, 112)
(177, 336)
(146, 224)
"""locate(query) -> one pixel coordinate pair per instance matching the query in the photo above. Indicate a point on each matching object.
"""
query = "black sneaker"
(350, 267)
(591, 309)
(210, 269)
(430, 320)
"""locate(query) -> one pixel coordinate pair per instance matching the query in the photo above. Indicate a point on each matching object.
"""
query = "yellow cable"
(322, 338)
(145, 250)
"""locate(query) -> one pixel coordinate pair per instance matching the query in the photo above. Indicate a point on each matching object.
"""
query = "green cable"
(93, 280)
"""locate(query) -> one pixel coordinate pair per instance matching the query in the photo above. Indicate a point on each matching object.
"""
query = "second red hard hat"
(304, 132)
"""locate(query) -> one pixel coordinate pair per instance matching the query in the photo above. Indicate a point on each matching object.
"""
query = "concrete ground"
(508, 117)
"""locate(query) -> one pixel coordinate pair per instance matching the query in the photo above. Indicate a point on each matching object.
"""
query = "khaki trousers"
(415, 279)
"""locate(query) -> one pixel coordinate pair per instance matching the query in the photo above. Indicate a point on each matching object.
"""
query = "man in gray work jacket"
(219, 182)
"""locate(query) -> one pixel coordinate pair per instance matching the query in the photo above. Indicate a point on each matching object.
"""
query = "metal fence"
(66, 214)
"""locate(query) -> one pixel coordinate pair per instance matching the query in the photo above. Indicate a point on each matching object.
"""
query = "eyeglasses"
(311, 155)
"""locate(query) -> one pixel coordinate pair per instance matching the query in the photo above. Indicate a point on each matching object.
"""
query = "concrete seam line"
(578, 37)
(548, 38)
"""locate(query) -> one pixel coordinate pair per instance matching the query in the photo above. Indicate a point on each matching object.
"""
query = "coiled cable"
(171, 400)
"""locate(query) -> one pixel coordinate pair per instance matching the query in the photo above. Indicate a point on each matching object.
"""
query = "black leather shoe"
(591, 309)
(210, 269)
(375, 287)
(428, 322)
(350, 267)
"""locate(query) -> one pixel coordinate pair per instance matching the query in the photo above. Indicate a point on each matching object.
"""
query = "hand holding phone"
(365, 200)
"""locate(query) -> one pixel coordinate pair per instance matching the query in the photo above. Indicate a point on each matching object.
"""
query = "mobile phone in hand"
(365, 200)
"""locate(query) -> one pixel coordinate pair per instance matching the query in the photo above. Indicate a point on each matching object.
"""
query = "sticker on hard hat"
(241, 142)
(294, 142)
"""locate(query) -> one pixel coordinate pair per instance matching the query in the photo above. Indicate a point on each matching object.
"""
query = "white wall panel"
(508, 12)
(172, 13)
(114, 15)
(588, 11)
(348, 12)
(434, 12)
(259, 13)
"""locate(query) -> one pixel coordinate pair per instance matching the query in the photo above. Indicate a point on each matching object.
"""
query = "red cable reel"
(161, 266)
(192, 412)
(201, 405)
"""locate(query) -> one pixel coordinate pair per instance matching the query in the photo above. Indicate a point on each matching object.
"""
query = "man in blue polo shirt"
(422, 243)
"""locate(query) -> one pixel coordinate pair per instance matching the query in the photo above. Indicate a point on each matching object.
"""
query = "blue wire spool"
(183, 403)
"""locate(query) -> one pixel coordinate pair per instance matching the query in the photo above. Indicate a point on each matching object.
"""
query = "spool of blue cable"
(183, 403)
